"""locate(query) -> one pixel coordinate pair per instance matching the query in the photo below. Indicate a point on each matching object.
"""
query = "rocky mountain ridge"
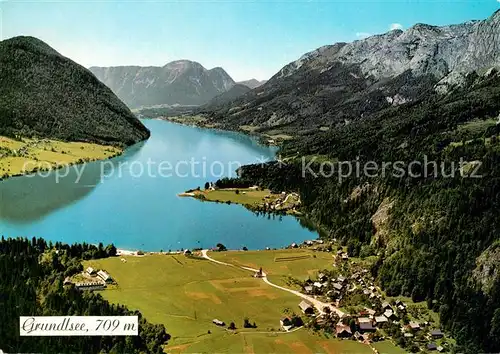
(422, 49)
(344, 82)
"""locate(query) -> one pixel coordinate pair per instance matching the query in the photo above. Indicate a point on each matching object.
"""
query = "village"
(367, 315)
(341, 300)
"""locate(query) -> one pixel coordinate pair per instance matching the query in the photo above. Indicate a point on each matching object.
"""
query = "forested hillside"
(44, 94)
(436, 236)
(32, 285)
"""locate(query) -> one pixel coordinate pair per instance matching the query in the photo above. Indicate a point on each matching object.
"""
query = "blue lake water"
(132, 200)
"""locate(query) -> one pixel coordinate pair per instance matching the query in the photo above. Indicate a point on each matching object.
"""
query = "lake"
(132, 200)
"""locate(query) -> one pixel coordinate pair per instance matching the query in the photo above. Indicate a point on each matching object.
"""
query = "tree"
(296, 321)
(232, 326)
(111, 250)
(245, 248)
(221, 247)
(207, 185)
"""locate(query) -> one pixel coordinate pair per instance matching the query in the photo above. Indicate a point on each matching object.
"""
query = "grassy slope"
(185, 294)
(245, 196)
(14, 154)
(387, 347)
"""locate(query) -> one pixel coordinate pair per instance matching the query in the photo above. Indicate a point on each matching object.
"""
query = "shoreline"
(261, 139)
(129, 253)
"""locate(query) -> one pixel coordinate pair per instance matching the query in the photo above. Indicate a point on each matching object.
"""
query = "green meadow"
(187, 293)
(26, 155)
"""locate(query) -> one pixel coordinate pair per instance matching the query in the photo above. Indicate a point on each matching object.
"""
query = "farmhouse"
(104, 276)
(414, 326)
(286, 324)
(370, 311)
(95, 285)
(366, 327)
(390, 315)
(318, 285)
(437, 333)
(381, 319)
(386, 306)
(308, 289)
(364, 320)
(306, 307)
(431, 346)
(337, 286)
(218, 322)
(90, 271)
(343, 331)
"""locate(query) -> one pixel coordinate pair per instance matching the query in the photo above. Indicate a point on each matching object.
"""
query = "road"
(319, 305)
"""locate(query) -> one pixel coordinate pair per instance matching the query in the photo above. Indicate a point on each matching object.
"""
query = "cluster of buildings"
(95, 280)
(370, 323)
(282, 203)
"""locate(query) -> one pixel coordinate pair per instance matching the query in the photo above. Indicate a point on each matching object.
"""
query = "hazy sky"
(250, 39)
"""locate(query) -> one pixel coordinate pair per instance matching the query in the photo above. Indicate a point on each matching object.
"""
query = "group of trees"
(32, 273)
(438, 224)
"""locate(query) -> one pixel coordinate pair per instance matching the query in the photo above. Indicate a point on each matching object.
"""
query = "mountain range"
(45, 94)
(337, 84)
(180, 83)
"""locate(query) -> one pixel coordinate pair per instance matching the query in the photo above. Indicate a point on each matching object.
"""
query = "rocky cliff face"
(181, 82)
(423, 49)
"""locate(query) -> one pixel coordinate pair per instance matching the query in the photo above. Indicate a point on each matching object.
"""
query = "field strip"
(291, 258)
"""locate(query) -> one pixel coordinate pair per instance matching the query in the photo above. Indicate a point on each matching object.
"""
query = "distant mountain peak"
(182, 82)
(252, 83)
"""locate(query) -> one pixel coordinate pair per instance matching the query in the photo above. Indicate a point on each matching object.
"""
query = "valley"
(349, 204)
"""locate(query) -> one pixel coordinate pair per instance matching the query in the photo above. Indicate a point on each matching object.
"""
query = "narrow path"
(319, 305)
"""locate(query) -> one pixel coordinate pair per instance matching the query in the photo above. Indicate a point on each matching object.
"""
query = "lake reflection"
(113, 202)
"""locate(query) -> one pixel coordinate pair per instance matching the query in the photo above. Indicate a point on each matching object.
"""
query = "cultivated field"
(31, 154)
(186, 293)
(280, 264)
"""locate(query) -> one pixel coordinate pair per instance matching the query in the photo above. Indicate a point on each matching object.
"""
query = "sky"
(249, 39)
